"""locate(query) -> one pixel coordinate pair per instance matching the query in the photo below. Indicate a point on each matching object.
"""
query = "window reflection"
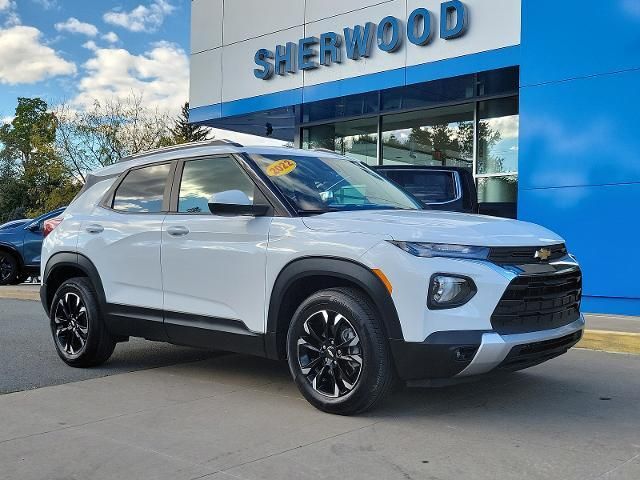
(498, 189)
(142, 190)
(202, 179)
(442, 136)
(357, 139)
(498, 136)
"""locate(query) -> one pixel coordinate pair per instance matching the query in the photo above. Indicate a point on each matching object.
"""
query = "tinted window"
(142, 190)
(202, 179)
(428, 187)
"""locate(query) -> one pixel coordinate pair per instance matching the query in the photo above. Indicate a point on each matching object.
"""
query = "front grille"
(524, 255)
(530, 354)
(539, 302)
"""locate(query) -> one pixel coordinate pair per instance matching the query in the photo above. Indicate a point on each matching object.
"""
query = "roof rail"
(224, 141)
(182, 146)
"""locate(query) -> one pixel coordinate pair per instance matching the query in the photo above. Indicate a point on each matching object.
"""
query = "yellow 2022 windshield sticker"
(281, 167)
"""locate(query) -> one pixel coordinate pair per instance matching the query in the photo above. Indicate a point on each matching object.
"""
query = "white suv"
(308, 256)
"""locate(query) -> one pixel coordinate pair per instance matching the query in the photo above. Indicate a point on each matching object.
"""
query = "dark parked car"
(14, 224)
(438, 188)
(20, 247)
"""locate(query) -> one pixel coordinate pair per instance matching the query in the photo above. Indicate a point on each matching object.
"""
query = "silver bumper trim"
(495, 347)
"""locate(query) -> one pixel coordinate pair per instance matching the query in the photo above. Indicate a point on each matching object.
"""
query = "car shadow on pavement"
(544, 393)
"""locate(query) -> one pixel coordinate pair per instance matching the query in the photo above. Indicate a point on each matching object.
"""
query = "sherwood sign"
(311, 52)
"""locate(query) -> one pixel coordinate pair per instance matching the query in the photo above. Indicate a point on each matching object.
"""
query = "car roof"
(201, 149)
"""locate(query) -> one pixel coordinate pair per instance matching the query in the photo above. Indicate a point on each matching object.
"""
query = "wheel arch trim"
(76, 260)
(333, 267)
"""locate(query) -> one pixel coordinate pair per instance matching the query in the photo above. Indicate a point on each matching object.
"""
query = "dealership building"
(537, 98)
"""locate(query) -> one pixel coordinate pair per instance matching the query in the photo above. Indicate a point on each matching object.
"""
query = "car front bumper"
(459, 354)
(523, 350)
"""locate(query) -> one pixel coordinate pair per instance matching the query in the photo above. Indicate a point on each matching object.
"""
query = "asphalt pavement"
(28, 358)
(239, 417)
(157, 412)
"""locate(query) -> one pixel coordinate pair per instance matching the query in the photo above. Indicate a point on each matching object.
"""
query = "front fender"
(349, 271)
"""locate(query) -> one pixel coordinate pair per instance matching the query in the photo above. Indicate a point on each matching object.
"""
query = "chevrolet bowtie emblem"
(542, 254)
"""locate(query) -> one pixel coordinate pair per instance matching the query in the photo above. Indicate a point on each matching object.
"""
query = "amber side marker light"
(380, 274)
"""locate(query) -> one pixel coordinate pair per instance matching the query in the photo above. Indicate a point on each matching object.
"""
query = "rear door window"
(427, 186)
(142, 190)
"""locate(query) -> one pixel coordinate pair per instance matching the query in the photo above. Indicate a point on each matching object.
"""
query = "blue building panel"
(601, 227)
(477, 62)
(580, 132)
(579, 172)
(577, 38)
(262, 102)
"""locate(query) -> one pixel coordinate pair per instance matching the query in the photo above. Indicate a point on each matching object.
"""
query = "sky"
(80, 50)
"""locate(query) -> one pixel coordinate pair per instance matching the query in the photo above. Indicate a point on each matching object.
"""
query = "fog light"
(450, 291)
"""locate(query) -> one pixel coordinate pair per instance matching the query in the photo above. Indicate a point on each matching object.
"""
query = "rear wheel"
(338, 354)
(79, 334)
(8, 268)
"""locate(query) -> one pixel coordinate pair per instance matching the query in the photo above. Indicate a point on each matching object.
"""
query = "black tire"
(9, 268)
(330, 379)
(79, 334)
(20, 278)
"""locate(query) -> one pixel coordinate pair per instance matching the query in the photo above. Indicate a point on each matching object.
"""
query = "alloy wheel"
(71, 324)
(330, 353)
(6, 269)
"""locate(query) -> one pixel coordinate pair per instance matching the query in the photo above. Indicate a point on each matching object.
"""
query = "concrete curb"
(608, 341)
(20, 293)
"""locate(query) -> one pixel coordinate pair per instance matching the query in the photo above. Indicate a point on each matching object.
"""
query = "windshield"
(328, 184)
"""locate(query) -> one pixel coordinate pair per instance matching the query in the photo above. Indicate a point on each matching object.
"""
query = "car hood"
(435, 227)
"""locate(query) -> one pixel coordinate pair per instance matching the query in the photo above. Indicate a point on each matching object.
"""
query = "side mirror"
(35, 227)
(235, 202)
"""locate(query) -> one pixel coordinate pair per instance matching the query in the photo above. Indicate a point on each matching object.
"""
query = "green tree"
(12, 192)
(34, 178)
(31, 131)
(183, 131)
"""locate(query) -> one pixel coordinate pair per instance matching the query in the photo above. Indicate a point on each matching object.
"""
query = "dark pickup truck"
(444, 188)
(438, 188)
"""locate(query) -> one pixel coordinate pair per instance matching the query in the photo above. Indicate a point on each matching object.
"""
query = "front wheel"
(8, 269)
(20, 278)
(338, 354)
(79, 334)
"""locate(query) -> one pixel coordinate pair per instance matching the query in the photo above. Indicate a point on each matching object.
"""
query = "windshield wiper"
(347, 208)
(318, 211)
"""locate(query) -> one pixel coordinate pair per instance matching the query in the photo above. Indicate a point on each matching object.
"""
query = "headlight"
(449, 291)
(443, 250)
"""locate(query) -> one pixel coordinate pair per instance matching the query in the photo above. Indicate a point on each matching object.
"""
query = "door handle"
(177, 231)
(94, 228)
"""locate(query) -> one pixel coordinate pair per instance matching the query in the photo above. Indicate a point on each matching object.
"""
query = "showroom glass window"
(471, 121)
(435, 137)
(142, 190)
(497, 164)
(357, 139)
(203, 179)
